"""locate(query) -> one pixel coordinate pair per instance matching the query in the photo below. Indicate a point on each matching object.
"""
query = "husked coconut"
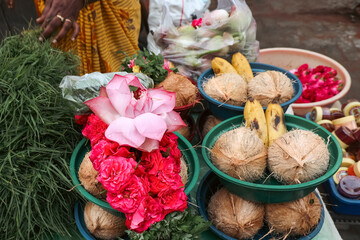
(298, 156)
(235, 216)
(184, 171)
(186, 91)
(270, 87)
(210, 122)
(103, 224)
(241, 154)
(228, 88)
(88, 178)
(296, 218)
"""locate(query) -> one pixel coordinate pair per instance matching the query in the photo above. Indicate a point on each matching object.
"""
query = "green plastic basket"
(270, 190)
(83, 147)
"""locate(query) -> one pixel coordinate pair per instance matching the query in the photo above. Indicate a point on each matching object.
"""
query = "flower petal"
(103, 92)
(151, 125)
(149, 145)
(163, 101)
(132, 80)
(103, 108)
(124, 132)
(119, 93)
(173, 121)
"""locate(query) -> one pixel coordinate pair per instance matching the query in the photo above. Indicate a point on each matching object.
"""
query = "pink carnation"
(132, 194)
(173, 199)
(152, 162)
(148, 212)
(95, 129)
(115, 172)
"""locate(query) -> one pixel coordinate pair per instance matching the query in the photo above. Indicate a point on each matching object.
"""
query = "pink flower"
(132, 194)
(115, 172)
(197, 23)
(137, 122)
(94, 129)
(148, 212)
(158, 184)
(173, 199)
(132, 63)
(152, 162)
(81, 119)
(166, 66)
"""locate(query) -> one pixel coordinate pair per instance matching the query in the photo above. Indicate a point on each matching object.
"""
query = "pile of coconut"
(297, 156)
(242, 219)
(266, 87)
(186, 91)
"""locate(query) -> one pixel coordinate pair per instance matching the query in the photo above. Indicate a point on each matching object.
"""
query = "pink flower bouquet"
(134, 150)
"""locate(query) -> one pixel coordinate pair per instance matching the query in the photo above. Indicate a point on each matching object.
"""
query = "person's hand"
(60, 14)
(10, 3)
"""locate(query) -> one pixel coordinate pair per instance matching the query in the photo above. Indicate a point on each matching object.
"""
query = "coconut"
(184, 171)
(186, 91)
(228, 88)
(103, 224)
(270, 87)
(185, 131)
(235, 216)
(241, 154)
(88, 178)
(296, 218)
(298, 156)
(210, 122)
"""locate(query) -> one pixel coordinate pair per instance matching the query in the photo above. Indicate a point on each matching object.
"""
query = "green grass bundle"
(36, 139)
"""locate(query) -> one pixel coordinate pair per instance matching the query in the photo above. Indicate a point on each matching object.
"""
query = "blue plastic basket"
(208, 186)
(339, 203)
(225, 111)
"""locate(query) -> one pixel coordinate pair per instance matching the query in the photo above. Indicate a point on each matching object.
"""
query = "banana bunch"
(269, 125)
(239, 65)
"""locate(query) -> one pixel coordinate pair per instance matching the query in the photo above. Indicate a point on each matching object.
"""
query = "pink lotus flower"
(115, 172)
(140, 121)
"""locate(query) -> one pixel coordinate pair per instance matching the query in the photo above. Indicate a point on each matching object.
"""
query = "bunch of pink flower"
(135, 151)
(319, 83)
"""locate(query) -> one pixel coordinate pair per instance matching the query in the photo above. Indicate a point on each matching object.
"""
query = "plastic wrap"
(222, 32)
(79, 89)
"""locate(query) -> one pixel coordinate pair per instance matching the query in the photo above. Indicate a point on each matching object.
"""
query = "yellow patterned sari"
(106, 27)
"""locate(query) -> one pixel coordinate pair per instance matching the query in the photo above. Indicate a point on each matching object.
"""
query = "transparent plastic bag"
(224, 31)
(78, 89)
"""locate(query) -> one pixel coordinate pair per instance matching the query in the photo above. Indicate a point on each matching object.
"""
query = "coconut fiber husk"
(186, 91)
(184, 171)
(298, 156)
(102, 224)
(228, 88)
(235, 216)
(270, 87)
(88, 178)
(241, 154)
(296, 218)
(210, 122)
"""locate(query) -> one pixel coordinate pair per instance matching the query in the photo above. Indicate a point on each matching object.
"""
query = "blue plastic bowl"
(225, 111)
(211, 183)
(339, 203)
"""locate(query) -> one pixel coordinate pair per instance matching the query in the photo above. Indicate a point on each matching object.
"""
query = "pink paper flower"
(115, 172)
(132, 63)
(132, 194)
(137, 122)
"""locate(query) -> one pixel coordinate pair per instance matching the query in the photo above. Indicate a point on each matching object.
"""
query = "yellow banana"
(242, 66)
(255, 119)
(275, 120)
(220, 65)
